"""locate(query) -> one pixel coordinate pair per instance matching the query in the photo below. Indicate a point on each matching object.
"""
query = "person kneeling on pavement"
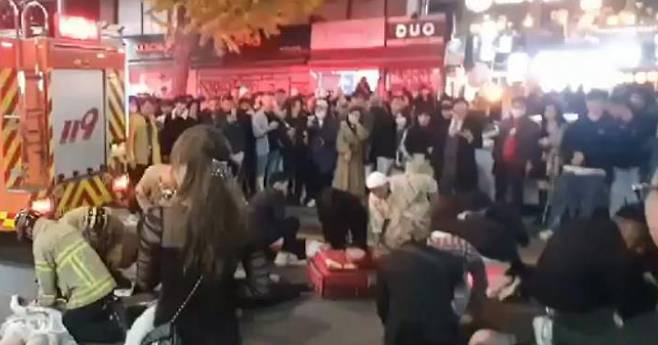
(400, 208)
(594, 274)
(417, 300)
(107, 234)
(68, 268)
(343, 217)
(271, 233)
(266, 218)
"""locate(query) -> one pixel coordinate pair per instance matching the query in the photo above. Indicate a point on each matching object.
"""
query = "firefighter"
(107, 234)
(68, 269)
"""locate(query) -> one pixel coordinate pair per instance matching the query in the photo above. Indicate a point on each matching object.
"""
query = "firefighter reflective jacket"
(108, 242)
(67, 266)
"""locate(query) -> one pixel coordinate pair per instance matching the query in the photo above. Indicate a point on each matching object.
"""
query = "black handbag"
(166, 333)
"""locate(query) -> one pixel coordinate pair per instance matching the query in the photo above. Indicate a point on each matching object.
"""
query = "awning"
(420, 56)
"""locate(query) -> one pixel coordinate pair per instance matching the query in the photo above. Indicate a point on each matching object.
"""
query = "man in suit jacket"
(416, 286)
(453, 157)
(516, 154)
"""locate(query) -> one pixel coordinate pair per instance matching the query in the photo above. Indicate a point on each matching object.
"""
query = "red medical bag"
(334, 277)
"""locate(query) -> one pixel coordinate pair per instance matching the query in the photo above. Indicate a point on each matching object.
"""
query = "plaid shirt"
(454, 244)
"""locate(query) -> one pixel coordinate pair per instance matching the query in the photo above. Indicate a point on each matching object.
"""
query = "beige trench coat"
(350, 169)
(406, 214)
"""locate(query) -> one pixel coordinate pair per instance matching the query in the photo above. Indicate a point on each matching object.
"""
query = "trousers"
(578, 196)
(93, 323)
(621, 191)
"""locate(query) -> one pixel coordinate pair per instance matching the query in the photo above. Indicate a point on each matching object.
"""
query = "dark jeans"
(337, 230)
(291, 243)
(319, 180)
(297, 168)
(135, 174)
(249, 173)
(93, 323)
(578, 196)
(509, 186)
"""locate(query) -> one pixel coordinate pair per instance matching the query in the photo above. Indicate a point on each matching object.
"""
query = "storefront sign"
(405, 30)
(348, 34)
(150, 47)
(147, 47)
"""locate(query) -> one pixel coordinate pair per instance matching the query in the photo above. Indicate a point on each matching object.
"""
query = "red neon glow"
(43, 206)
(121, 183)
(78, 28)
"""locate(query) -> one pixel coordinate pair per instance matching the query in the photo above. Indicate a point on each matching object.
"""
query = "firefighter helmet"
(95, 219)
(24, 223)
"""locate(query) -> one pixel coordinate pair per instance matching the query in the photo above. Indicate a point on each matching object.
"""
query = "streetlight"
(479, 6)
(591, 5)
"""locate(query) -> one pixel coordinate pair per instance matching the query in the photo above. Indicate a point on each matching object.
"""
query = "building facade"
(395, 44)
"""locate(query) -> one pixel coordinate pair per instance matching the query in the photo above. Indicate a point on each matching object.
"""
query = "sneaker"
(240, 273)
(509, 290)
(281, 259)
(311, 203)
(543, 328)
(131, 220)
(313, 248)
(293, 260)
(546, 234)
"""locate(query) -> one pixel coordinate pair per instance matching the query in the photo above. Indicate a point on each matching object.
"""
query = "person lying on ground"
(68, 268)
(473, 263)
(494, 230)
(595, 269)
(477, 203)
(33, 325)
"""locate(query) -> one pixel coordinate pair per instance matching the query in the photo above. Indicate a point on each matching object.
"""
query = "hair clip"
(220, 169)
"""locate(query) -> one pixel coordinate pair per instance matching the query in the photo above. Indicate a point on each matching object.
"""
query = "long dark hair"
(215, 220)
(559, 113)
(290, 103)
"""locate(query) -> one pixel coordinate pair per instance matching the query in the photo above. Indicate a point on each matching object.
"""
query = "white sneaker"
(131, 220)
(509, 290)
(311, 203)
(313, 248)
(240, 273)
(546, 234)
(543, 327)
(293, 260)
(281, 259)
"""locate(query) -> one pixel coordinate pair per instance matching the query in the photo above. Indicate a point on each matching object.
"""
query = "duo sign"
(405, 30)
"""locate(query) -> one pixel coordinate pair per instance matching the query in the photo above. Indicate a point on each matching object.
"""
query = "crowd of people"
(336, 140)
(430, 186)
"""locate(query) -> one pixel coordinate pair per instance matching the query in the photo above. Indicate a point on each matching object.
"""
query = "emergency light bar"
(77, 28)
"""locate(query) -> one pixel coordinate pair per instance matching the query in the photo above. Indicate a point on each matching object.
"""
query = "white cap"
(375, 180)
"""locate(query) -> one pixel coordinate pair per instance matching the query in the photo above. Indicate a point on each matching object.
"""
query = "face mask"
(401, 121)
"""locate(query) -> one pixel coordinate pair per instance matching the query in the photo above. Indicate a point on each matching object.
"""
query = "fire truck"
(62, 116)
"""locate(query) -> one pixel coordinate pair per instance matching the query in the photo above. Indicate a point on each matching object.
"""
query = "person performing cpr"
(400, 208)
(69, 269)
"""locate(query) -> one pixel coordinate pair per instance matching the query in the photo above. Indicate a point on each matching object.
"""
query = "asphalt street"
(310, 320)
